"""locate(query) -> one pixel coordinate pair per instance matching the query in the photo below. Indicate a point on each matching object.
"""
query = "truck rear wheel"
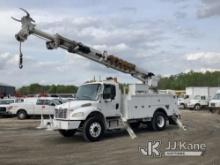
(67, 133)
(93, 129)
(158, 122)
(22, 114)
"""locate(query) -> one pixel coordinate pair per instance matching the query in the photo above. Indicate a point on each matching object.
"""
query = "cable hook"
(20, 57)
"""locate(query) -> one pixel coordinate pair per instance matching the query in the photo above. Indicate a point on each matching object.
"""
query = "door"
(110, 101)
(40, 107)
(204, 101)
(44, 106)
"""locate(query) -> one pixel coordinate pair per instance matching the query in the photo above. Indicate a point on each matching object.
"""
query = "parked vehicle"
(5, 105)
(197, 97)
(198, 102)
(215, 102)
(33, 106)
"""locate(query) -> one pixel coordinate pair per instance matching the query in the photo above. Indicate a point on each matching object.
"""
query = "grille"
(61, 113)
(2, 109)
(212, 104)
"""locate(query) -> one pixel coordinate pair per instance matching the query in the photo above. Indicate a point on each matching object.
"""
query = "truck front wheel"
(93, 129)
(22, 114)
(67, 133)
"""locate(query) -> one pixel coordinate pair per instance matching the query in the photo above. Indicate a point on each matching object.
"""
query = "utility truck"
(102, 105)
(33, 107)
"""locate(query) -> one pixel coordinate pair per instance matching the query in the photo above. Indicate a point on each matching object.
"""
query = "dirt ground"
(22, 143)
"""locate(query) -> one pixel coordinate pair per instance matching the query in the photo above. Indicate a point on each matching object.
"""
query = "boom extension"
(58, 41)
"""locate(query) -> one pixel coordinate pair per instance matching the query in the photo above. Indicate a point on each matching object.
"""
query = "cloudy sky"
(162, 36)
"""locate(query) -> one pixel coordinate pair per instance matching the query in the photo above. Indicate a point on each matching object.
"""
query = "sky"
(165, 37)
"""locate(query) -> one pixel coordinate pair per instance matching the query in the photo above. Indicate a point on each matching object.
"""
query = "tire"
(22, 114)
(197, 107)
(159, 121)
(67, 133)
(93, 129)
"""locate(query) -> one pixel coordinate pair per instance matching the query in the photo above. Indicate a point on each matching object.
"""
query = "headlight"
(78, 114)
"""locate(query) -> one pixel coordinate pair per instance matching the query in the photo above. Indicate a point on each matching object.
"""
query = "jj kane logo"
(176, 148)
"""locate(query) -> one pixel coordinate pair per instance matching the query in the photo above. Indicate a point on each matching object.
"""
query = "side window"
(40, 102)
(53, 103)
(109, 92)
(43, 102)
(202, 97)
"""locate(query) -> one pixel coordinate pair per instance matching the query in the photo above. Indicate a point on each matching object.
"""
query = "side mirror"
(52, 104)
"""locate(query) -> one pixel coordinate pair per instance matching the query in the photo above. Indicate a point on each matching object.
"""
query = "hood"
(75, 104)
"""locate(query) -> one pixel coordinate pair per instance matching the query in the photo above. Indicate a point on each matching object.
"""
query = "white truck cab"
(101, 106)
(183, 101)
(215, 101)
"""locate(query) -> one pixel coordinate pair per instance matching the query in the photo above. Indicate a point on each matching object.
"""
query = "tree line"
(44, 89)
(183, 80)
(175, 82)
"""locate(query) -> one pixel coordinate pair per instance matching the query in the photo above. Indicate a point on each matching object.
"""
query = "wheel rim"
(160, 121)
(95, 129)
(21, 115)
(197, 107)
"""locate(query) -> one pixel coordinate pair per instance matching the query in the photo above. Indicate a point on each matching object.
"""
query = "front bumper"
(214, 109)
(66, 124)
(6, 113)
(57, 124)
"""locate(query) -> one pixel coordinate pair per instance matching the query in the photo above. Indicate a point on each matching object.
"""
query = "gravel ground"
(22, 143)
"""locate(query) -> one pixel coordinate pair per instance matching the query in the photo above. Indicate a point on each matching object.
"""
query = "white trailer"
(101, 106)
(209, 92)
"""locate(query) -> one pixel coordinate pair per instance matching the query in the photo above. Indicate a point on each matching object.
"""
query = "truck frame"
(103, 105)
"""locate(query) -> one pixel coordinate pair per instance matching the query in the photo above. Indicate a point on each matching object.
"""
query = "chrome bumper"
(55, 124)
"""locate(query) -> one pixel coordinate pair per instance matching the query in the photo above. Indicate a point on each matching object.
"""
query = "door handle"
(117, 106)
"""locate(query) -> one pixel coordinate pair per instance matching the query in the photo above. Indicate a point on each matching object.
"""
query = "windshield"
(88, 92)
(6, 101)
(217, 96)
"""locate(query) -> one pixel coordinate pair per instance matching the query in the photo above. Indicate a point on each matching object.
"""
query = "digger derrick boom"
(58, 41)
